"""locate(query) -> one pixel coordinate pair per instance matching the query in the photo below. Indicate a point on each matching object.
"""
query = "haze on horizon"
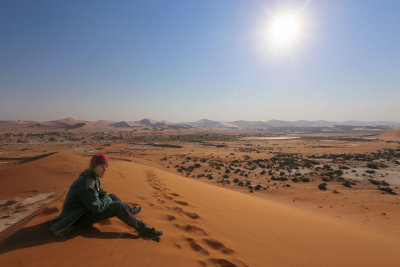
(189, 60)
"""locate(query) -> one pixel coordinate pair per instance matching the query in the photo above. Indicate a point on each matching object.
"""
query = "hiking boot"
(147, 232)
(135, 210)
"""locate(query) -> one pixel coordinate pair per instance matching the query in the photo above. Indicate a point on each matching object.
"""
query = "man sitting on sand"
(87, 203)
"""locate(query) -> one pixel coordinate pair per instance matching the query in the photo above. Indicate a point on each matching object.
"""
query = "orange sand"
(203, 225)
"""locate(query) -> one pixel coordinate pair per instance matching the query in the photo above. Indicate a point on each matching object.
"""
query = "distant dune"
(80, 126)
(203, 224)
(390, 136)
(68, 124)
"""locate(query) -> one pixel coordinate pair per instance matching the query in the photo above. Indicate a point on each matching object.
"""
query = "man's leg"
(115, 198)
(116, 208)
(119, 209)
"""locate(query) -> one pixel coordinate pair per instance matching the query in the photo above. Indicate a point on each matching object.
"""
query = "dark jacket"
(85, 195)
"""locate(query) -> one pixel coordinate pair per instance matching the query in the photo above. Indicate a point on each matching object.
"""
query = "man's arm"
(102, 192)
(90, 198)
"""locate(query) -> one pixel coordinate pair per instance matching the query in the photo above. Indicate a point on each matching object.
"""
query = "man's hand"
(102, 194)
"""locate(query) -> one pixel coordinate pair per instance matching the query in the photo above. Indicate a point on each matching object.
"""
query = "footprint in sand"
(156, 188)
(192, 229)
(196, 247)
(160, 201)
(202, 263)
(155, 182)
(167, 197)
(170, 217)
(226, 263)
(180, 211)
(217, 245)
(221, 262)
(175, 194)
(176, 209)
(192, 215)
(183, 203)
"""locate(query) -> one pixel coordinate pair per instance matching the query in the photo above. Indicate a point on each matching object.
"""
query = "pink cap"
(98, 159)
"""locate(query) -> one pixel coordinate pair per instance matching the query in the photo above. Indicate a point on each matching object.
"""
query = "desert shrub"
(258, 187)
(372, 165)
(325, 179)
(322, 186)
(305, 179)
(346, 183)
(327, 167)
(278, 178)
(387, 190)
(374, 182)
(339, 172)
(384, 183)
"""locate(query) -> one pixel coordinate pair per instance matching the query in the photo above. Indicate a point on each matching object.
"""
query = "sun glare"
(282, 32)
(284, 29)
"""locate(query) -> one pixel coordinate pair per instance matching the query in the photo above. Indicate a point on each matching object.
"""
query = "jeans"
(116, 208)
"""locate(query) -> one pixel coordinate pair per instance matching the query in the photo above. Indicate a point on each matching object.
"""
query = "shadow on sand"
(39, 234)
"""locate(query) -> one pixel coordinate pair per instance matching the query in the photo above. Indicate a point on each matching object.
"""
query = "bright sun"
(282, 33)
(284, 29)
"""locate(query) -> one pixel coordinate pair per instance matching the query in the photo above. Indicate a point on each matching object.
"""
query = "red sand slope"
(204, 225)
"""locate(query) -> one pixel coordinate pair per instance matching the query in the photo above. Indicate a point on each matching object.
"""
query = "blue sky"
(188, 60)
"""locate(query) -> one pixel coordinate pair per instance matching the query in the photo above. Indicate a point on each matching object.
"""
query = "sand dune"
(390, 136)
(49, 174)
(203, 224)
(80, 126)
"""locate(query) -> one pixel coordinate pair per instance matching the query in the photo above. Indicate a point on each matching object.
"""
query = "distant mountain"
(148, 122)
(60, 123)
(251, 124)
(274, 124)
(71, 124)
(121, 124)
(212, 124)
(370, 123)
(80, 126)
